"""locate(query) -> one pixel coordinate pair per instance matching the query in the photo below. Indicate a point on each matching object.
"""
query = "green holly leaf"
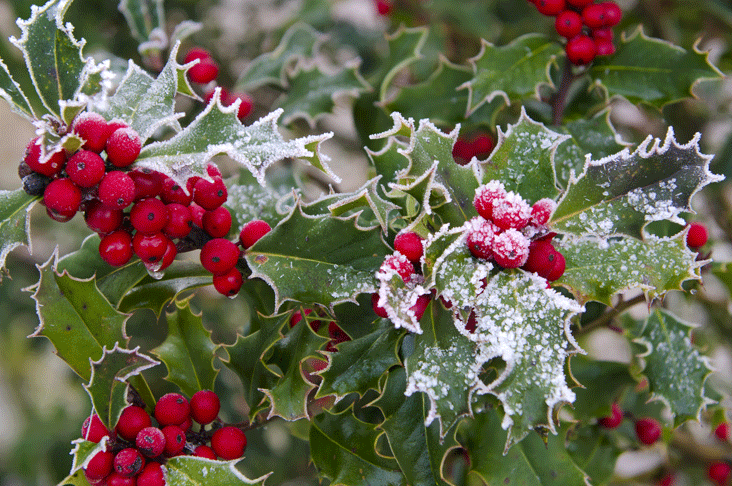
(245, 359)
(303, 260)
(342, 448)
(513, 71)
(147, 104)
(217, 130)
(602, 382)
(197, 471)
(312, 92)
(360, 363)
(53, 57)
(188, 351)
(289, 396)
(388, 162)
(15, 209)
(76, 318)
(11, 92)
(247, 202)
(599, 270)
(593, 452)
(524, 159)
(417, 448)
(652, 71)
(622, 193)
(405, 48)
(83, 451)
(108, 384)
(146, 21)
(675, 369)
(299, 42)
(533, 462)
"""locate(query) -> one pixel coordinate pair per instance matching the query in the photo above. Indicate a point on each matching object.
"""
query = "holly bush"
(409, 242)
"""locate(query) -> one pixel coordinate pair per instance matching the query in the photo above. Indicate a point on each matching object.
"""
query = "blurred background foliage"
(42, 401)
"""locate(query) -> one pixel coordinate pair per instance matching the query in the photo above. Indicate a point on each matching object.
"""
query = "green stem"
(611, 314)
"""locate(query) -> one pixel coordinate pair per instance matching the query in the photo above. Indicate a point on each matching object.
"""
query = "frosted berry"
(204, 451)
(148, 183)
(545, 260)
(52, 166)
(648, 430)
(116, 248)
(172, 192)
(179, 221)
(246, 105)
(150, 248)
(581, 50)
(204, 72)
(721, 431)
(420, 306)
(92, 128)
(541, 211)
(132, 421)
(613, 13)
(550, 7)
(613, 420)
(511, 211)
(62, 198)
(117, 190)
(593, 16)
(99, 466)
(219, 255)
(719, 472)
(400, 264)
(252, 232)
(380, 311)
(697, 235)
(409, 244)
(175, 440)
(85, 168)
(123, 146)
(150, 441)
(151, 475)
(172, 409)
(228, 283)
(480, 238)
(217, 222)
(205, 406)
(210, 194)
(93, 429)
(568, 24)
(511, 248)
(229, 443)
(485, 195)
(128, 462)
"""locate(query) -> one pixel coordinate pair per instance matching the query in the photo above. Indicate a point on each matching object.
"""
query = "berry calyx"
(648, 430)
(205, 406)
(229, 443)
(172, 409)
(409, 244)
(252, 232)
(613, 420)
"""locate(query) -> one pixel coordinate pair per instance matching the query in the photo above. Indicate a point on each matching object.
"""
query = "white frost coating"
(398, 297)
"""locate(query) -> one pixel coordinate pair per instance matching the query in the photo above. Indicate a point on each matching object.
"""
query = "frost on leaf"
(675, 369)
(11, 92)
(399, 297)
(15, 209)
(622, 193)
(198, 471)
(83, 451)
(217, 131)
(146, 22)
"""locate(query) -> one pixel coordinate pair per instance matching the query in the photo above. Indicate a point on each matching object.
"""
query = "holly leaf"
(197, 471)
(360, 363)
(524, 159)
(188, 351)
(53, 57)
(217, 130)
(599, 270)
(675, 369)
(533, 462)
(11, 92)
(419, 450)
(602, 382)
(146, 21)
(75, 316)
(147, 104)
(299, 42)
(108, 384)
(405, 48)
(342, 448)
(652, 71)
(622, 193)
(247, 202)
(289, 396)
(594, 452)
(15, 209)
(83, 451)
(513, 71)
(388, 162)
(312, 92)
(303, 260)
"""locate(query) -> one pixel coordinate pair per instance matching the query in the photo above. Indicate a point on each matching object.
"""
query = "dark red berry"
(217, 222)
(85, 168)
(123, 146)
(545, 260)
(648, 430)
(116, 479)
(151, 475)
(204, 451)
(205, 406)
(150, 248)
(383, 7)
(128, 462)
(719, 472)
(229, 443)
(175, 440)
(667, 480)
(148, 183)
(171, 251)
(613, 420)
(696, 237)
(116, 248)
(197, 213)
(593, 16)
(568, 24)
(132, 421)
(579, 3)
(99, 466)
(219, 255)
(605, 33)
(92, 128)
(722, 431)
(53, 164)
(150, 441)
(172, 192)
(210, 194)
(179, 221)
(409, 244)
(172, 409)
(253, 231)
(149, 216)
(550, 7)
(581, 50)
(117, 190)
(380, 311)
(62, 197)
(613, 13)
(93, 429)
(204, 72)
(228, 283)
(246, 105)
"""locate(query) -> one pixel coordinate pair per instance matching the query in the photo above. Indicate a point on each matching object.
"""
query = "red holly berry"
(123, 146)
(179, 221)
(398, 262)
(205, 406)
(175, 440)
(480, 238)
(228, 283)
(53, 165)
(210, 194)
(485, 195)
(219, 255)
(148, 183)
(511, 248)
(128, 462)
(132, 421)
(116, 248)
(253, 231)
(150, 248)
(149, 216)
(558, 269)
(613, 420)
(380, 311)
(246, 105)
(667, 480)
(172, 192)
(197, 213)
(550, 7)
(116, 479)
(151, 475)
(613, 13)
(581, 50)
(696, 237)
(204, 451)
(383, 7)
(85, 168)
(92, 128)
(409, 244)
(171, 251)
(541, 211)
(420, 306)
(544, 260)
(568, 24)
(62, 199)
(721, 431)
(196, 53)
(229, 443)
(593, 16)
(579, 3)
(117, 190)
(93, 429)
(217, 222)
(604, 47)
(172, 409)
(605, 33)
(204, 72)
(150, 441)
(99, 466)
(719, 472)
(511, 211)
(648, 430)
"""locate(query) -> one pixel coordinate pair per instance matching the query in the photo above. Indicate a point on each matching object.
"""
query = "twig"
(611, 314)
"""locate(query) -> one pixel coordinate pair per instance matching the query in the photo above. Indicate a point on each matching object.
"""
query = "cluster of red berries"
(137, 450)
(206, 72)
(335, 333)
(719, 472)
(586, 25)
(647, 429)
(478, 145)
(512, 233)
